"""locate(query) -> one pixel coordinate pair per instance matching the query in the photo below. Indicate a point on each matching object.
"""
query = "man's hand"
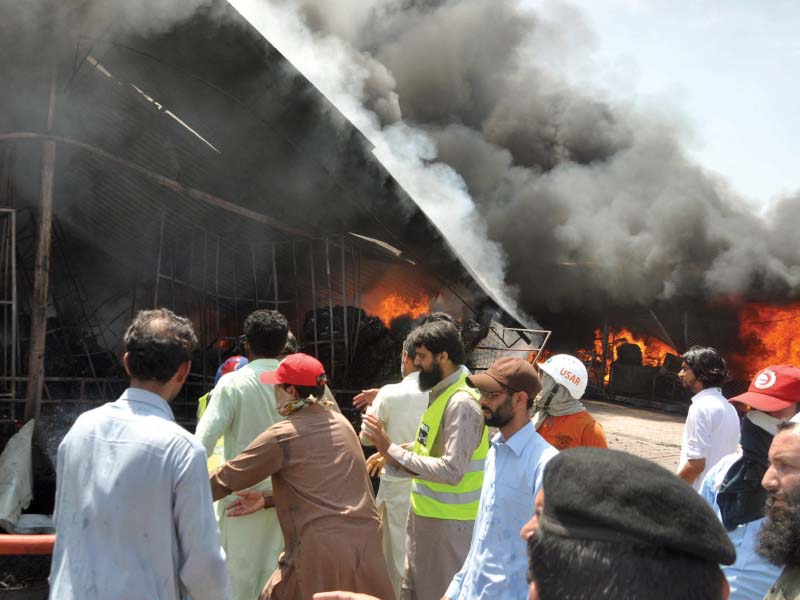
(375, 463)
(343, 596)
(372, 428)
(365, 398)
(248, 502)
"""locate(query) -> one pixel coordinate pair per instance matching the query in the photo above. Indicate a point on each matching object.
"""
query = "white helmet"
(568, 371)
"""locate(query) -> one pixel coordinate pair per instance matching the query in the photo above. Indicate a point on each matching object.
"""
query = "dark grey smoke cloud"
(592, 202)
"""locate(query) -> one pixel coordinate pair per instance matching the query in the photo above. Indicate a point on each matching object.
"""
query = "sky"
(726, 70)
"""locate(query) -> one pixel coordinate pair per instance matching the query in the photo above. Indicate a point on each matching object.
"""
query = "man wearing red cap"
(733, 486)
(322, 492)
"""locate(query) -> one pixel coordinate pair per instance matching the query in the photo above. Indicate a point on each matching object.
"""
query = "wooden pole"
(41, 276)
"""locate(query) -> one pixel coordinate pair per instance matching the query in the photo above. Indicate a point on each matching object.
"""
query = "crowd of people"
(493, 485)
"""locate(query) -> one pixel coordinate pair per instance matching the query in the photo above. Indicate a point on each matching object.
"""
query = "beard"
(779, 538)
(501, 416)
(428, 379)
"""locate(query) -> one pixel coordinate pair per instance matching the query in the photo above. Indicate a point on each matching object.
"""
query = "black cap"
(607, 495)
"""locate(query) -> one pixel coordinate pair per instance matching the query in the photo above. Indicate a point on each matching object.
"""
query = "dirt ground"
(649, 434)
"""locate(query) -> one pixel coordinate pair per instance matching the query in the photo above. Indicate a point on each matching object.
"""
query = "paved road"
(650, 434)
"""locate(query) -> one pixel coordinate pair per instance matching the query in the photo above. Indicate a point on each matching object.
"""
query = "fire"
(392, 306)
(769, 332)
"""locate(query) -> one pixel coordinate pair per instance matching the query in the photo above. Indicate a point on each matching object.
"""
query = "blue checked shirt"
(497, 562)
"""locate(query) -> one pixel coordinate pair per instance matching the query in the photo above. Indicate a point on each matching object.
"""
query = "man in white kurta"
(241, 408)
(399, 406)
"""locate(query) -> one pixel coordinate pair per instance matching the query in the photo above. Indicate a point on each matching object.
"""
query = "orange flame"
(769, 333)
(392, 306)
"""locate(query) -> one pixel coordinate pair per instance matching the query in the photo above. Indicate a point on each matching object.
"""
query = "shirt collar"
(446, 383)
(267, 362)
(133, 394)
(518, 441)
(712, 391)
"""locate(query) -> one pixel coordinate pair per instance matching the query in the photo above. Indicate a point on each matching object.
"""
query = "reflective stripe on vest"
(440, 500)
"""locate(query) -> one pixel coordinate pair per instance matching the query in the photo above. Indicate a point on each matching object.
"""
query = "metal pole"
(344, 309)
(275, 275)
(158, 263)
(313, 297)
(357, 296)
(330, 306)
(296, 294)
(33, 399)
(255, 278)
(605, 353)
(216, 298)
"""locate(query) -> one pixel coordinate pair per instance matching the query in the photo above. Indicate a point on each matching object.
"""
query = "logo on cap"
(765, 380)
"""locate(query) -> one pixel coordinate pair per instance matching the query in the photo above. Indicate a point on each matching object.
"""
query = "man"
(779, 540)
(242, 408)
(399, 406)
(445, 462)
(234, 363)
(133, 510)
(559, 416)
(712, 425)
(611, 525)
(733, 487)
(495, 566)
(322, 492)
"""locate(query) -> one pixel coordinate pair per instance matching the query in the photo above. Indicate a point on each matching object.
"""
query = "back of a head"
(707, 364)
(438, 337)
(437, 316)
(158, 342)
(266, 332)
(601, 570)
(291, 346)
(614, 525)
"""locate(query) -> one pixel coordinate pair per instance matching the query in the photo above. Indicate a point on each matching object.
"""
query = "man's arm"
(261, 459)
(377, 408)
(202, 561)
(462, 428)
(698, 441)
(218, 417)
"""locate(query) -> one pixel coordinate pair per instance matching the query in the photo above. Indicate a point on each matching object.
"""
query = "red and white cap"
(774, 388)
(297, 369)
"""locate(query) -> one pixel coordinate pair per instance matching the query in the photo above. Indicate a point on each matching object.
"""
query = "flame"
(392, 306)
(653, 350)
(769, 333)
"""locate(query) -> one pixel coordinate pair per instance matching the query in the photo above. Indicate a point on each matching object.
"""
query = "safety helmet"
(234, 363)
(568, 371)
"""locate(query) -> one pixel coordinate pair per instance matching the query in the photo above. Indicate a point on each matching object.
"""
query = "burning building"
(191, 166)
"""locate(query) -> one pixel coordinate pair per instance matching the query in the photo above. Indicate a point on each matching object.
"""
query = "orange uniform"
(570, 431)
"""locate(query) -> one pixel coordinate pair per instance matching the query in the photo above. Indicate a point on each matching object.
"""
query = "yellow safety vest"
(218, 456)
(440, 500)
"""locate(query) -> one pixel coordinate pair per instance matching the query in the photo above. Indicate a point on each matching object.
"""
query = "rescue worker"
(558, 414)
(230, 365)
(242, 408)
(322, 492)
(446, 463)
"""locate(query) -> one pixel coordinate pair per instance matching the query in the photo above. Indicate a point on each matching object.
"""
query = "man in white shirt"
(399, 406)
(712, 425)
(133, 507)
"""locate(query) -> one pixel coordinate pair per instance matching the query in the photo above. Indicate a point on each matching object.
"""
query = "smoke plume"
(553, 192)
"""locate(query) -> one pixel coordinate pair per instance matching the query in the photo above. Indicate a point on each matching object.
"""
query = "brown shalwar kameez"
(324, 501)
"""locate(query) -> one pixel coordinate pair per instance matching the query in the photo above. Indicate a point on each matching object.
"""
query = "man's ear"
(125, 364)
(183, 372)
(533, 591)
(726, 588)
(443, 356)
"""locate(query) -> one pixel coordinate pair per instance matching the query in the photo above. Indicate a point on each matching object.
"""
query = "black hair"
(707, 365)
(438, 337)
(409, 347)
(437, 316)
(291, 346)
(266, 332)
(317, 391)
(601, 570)
(786, 425)
(158, 342)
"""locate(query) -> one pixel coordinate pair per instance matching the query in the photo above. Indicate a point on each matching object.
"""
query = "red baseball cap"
(774, 388)
(297, 369)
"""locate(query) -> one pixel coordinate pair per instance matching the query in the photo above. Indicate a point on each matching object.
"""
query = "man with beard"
(712, 425)
(495, 566)
(779, 540)
(446, 463)
(733, 487)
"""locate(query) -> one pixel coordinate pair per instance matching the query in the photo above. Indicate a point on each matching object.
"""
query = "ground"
(649, 434)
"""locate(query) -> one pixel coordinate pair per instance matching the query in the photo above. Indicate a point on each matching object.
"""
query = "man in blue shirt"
(496, 563)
